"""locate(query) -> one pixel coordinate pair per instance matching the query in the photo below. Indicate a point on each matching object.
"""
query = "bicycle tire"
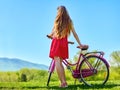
(98, 75)
(49, 76)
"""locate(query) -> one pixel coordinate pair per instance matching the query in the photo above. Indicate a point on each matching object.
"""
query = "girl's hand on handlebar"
(83, 47)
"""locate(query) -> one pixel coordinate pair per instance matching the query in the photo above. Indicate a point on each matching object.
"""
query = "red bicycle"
(91, 68)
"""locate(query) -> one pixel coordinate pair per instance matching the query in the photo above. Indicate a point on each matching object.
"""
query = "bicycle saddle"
(84, 47)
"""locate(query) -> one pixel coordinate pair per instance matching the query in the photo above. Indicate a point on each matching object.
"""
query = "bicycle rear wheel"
(94, 71)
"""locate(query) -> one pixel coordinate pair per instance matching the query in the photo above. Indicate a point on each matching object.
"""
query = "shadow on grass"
(82, 87)
(108, 86)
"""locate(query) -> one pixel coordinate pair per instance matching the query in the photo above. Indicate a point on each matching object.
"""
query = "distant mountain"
(7, 64)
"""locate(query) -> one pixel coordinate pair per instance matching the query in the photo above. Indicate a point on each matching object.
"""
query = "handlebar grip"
(49, 36)
(69, 42)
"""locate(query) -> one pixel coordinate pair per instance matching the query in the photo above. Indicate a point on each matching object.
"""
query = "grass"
(110, 85)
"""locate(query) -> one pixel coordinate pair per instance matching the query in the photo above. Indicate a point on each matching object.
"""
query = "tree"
(23, 77)
(115, 58)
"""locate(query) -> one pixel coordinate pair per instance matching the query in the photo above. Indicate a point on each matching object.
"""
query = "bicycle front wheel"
(94, 71)
(49, 76)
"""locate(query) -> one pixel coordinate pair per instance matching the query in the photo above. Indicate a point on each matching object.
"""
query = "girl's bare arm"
(76, 36)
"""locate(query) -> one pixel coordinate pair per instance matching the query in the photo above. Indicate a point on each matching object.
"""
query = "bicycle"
(91, 68)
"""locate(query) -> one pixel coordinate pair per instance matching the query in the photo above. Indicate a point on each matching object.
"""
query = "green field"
(110, 85)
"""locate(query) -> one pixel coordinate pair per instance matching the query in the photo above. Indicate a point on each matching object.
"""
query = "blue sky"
(24, 25)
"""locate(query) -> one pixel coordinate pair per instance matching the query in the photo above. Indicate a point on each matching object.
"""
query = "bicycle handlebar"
(69, 42)
(83, 47)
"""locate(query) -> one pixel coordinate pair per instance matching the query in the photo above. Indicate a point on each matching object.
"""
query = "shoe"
(63, 85)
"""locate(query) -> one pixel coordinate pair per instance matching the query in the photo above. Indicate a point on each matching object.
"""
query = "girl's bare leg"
(60, 70)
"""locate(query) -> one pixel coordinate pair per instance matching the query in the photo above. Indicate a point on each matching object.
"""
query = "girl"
(62, 28)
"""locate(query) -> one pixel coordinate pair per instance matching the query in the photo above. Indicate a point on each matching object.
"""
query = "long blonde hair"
(63, 23)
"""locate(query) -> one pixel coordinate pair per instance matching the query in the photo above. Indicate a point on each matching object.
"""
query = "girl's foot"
(64, 85)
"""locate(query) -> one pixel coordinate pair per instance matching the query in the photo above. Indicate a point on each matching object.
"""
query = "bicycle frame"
(67, 63)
